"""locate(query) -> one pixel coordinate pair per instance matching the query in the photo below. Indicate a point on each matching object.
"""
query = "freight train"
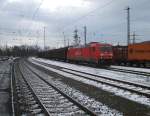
(103, 54)
(133, 55)
(94, 53)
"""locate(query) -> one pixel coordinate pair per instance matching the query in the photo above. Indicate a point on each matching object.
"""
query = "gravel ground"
(123, 105)
(5, 105)
(89, 102)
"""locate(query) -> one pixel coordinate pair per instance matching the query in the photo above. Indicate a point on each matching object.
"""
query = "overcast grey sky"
(22, 21)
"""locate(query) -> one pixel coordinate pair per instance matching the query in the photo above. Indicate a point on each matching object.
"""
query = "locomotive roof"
(89, 44)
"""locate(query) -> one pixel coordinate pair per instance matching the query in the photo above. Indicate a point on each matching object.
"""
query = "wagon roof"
(146, 42)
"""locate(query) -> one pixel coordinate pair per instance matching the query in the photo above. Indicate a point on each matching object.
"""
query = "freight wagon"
(120, 55)
(139, 53)
(133, 54)
(55, 54)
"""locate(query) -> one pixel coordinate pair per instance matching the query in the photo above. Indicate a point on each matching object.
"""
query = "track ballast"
(37, 96)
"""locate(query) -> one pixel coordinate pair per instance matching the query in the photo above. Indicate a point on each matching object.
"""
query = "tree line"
(20, 51)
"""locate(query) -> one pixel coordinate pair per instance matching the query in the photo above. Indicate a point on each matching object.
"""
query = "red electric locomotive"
(94, 52)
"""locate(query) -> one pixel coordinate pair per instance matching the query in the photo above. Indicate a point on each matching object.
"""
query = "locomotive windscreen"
(106, 49)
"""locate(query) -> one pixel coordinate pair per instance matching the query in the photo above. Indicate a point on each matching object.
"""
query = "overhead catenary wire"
(87, 14)
(34, 15)
(32, 18)
(72, 22)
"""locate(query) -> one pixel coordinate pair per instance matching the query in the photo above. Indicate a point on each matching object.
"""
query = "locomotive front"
(105, 54)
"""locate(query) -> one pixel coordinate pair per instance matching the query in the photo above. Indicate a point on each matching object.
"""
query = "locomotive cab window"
(106, 48)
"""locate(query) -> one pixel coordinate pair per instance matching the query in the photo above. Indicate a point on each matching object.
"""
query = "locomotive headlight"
(111, 55)
(101, 55)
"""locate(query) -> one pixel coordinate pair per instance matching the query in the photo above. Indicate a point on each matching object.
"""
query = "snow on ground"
(80, 97)
(132, 68)
(116, 91)
(101, 72)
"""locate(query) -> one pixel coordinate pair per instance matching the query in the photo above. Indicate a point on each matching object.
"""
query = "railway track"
(42, 97)
(122, 70)
(129, 71)
(137, 88)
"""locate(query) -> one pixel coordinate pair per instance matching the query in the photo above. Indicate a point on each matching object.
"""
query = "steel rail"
(104, 82)
(129, 71)
(118, 80)
(34, 94)
(84, 108)
(12, 88)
